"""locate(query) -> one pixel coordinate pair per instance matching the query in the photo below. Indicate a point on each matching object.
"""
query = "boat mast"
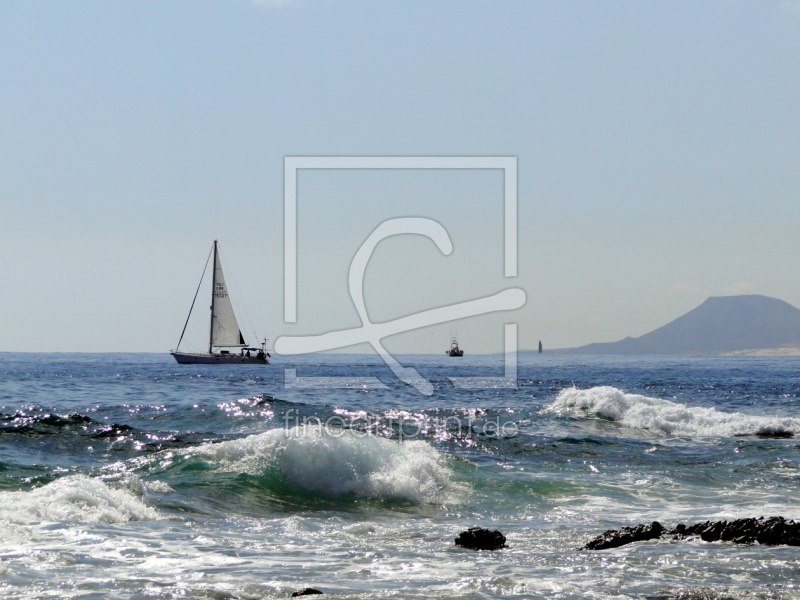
(213, 288)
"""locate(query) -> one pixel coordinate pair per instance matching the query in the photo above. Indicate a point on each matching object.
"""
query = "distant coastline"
(745, 325)
(764, 352)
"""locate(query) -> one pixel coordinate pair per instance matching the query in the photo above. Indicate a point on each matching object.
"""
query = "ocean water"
(129, 476)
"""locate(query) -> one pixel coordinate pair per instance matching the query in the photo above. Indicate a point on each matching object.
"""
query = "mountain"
(719, 325)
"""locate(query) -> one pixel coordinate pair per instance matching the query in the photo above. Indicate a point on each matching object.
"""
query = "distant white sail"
(224, 328)
(225, 332)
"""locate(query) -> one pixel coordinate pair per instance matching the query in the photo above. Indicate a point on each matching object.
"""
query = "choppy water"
(129, 476)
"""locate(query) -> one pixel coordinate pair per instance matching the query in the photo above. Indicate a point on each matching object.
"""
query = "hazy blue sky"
(658, 149)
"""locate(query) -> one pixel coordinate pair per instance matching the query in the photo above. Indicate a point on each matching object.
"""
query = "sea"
(129, 476)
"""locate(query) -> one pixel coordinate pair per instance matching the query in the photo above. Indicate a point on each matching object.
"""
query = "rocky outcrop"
(613, 538)
(478, 538)
(772, 531)
(307, 592)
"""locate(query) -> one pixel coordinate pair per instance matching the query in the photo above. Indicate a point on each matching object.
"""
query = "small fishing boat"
(226, 343)
(454, 349)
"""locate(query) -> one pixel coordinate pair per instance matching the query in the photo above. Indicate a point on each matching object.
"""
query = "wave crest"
(74, 498)
(664, 416)
(339, 462)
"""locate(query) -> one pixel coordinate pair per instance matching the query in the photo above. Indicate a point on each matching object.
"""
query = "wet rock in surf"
(775, 434)
(769, 434)
(613, 538)
(307, 592)
(479, 538)
(771, 531)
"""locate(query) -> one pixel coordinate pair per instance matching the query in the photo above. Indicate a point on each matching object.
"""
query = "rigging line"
(195, 298)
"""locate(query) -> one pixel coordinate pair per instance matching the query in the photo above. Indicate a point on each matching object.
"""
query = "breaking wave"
(74, 498)
(666, 417)
(338, 463)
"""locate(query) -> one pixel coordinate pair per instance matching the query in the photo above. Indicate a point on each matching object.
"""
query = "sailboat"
(540, 346)
(225, 334)
(454, 349)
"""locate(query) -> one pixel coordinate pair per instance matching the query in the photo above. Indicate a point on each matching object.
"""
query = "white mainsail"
(224, 328)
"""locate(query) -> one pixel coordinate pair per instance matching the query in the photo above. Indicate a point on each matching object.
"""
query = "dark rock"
(613, 538)
(709, 531)
(478, 538)
(306, 592)
(773, 531)
(779, 531)
(776, 434)
(770, 531)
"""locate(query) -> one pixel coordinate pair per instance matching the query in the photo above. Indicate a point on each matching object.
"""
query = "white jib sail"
(224, 328)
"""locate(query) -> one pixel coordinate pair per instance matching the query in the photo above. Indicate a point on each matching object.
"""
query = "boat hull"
(187, 358)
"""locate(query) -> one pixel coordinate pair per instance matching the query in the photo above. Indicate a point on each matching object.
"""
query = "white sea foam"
(340, 462)
(664, 416)
(75, 498)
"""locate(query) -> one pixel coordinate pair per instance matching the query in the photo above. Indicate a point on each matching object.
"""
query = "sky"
(657, 147)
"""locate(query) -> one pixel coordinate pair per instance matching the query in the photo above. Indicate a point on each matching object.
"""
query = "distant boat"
(540, 346)
(224, 332)
(454, 349)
